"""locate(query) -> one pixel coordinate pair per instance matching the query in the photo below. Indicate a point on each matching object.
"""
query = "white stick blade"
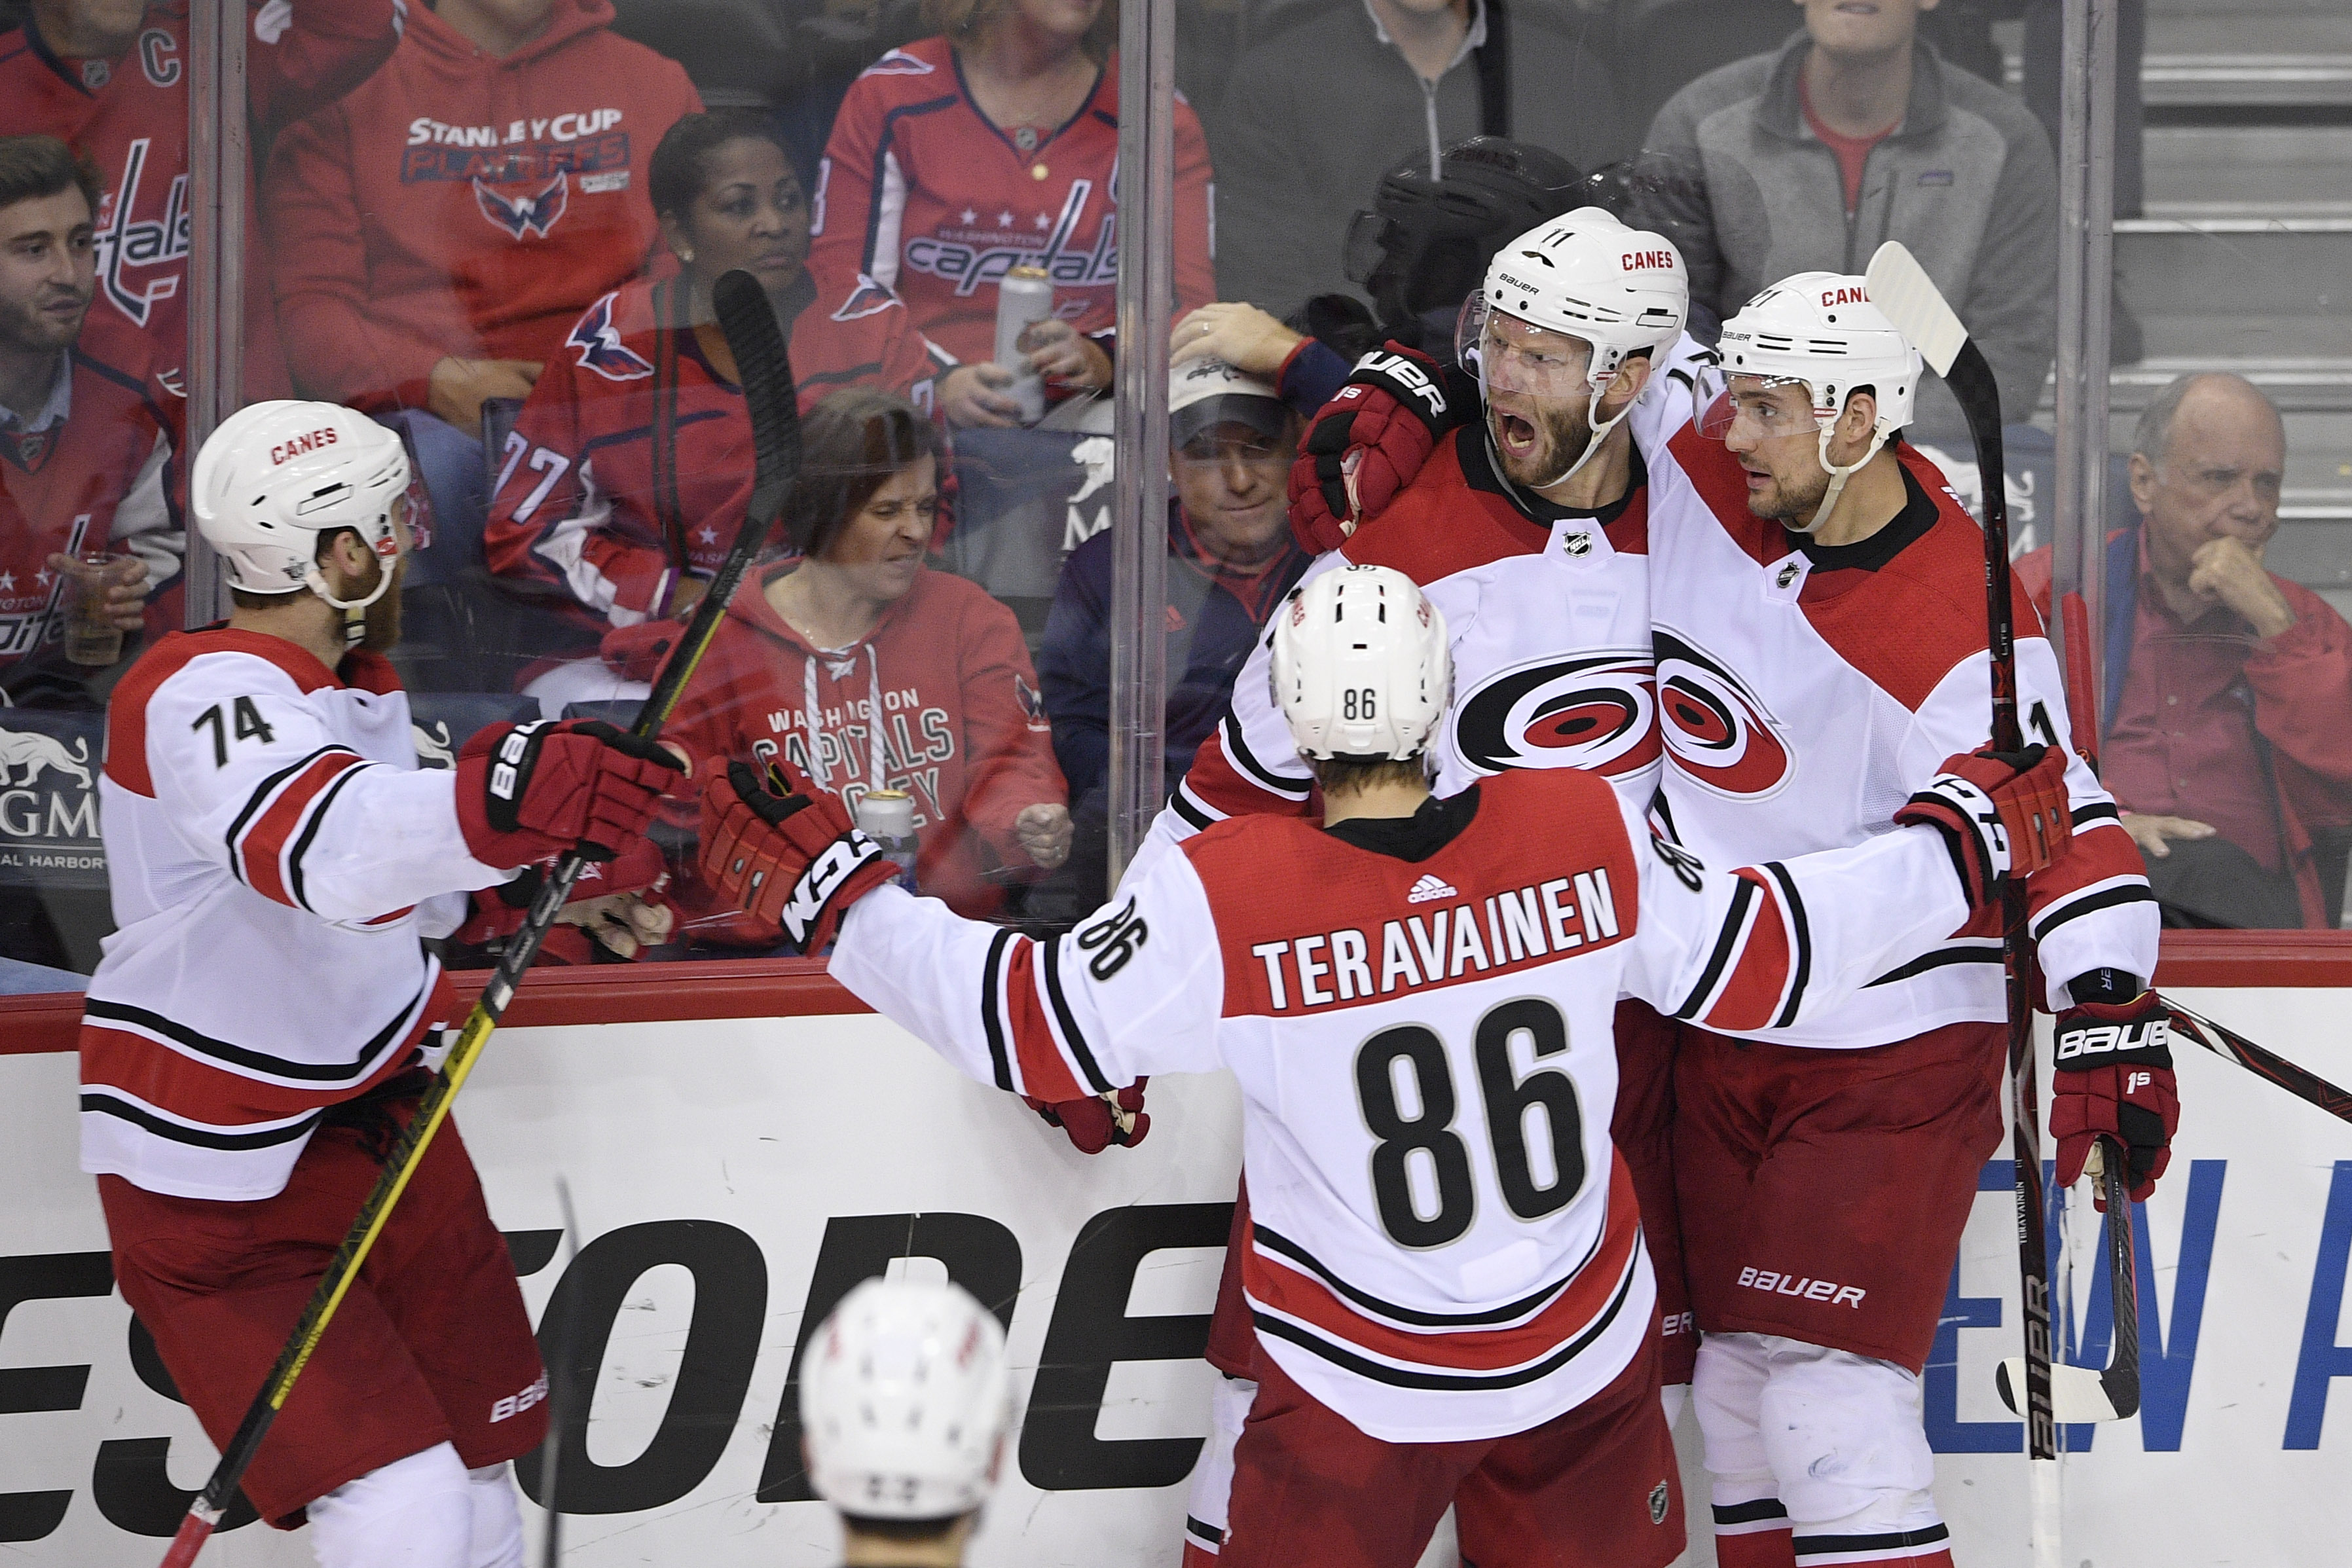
(2076, 1393)
(1908, 297)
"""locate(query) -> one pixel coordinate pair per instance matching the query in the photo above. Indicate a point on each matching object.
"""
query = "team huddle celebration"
(1514, 581)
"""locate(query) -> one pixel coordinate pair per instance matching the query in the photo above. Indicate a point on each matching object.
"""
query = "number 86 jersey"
(1443, 1245)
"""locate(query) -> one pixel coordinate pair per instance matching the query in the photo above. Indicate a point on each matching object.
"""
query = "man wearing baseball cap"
(1230, 561)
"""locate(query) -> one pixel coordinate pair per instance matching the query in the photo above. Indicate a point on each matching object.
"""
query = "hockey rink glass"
(1367, 245)
(1725, 404)
(1512, 355)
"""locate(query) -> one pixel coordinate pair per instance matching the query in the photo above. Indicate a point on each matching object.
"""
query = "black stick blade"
(749, 322)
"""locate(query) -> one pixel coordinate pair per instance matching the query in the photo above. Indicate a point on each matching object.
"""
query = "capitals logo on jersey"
(868, 299)
(534, 213)
(1719, 733)
(126, 243)
(1597, 712)
(599, 345)
(989, 245)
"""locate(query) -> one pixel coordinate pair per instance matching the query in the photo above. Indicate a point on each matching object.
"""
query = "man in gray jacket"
(1856, 132)
(1336, 92)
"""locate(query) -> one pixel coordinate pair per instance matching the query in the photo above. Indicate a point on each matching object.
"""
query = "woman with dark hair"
(868, 670)
(628, 470)
(960, 157)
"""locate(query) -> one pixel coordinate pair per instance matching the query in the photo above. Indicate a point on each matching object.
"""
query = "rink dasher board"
(740, 1162)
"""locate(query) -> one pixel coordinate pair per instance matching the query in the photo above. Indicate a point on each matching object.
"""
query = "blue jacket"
(1210, 633)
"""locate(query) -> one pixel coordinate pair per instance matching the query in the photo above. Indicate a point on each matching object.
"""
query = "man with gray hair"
(2227, 703)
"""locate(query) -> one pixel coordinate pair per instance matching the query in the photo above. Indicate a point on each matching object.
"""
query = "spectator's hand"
(1242, 335)
(2230, 570)
(121, 583)
(1058, 352)
(622, 924)
(972, 394)
(1044, 833)
(459, 386)
(685, 596)
(2149, 832)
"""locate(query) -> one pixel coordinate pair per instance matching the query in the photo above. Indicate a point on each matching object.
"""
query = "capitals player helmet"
(1425, 240)
(1584, 273)
(1362, 668)
(905, 1402)
(1818, 330)
(277, 475)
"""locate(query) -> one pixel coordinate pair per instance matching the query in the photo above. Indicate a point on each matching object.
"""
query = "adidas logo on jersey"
(1430, 887)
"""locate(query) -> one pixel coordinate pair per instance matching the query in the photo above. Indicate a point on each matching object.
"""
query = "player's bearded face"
(1537, 438)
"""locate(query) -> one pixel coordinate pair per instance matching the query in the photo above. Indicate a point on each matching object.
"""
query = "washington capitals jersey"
(632, 463)
(1547, 616)
(1427, 1255)
(96, 479)
(922, 192)
(1805, 693)
(130, 117)
(275, 854)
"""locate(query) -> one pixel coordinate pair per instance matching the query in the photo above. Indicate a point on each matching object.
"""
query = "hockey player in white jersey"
(905, 1407)
(1818, 595)
(251, 1043)
(1527, 527)
(1444, 1262)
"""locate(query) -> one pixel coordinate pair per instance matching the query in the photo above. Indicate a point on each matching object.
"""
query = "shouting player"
(1528, 529)
(1820, 635)
(250, 1044)
(1443, 1261)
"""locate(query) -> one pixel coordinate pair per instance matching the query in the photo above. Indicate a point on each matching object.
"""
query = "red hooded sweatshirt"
(963, 731)
(464, 204)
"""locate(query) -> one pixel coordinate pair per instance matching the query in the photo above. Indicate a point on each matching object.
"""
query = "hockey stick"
(749, 324)
(2077, 1393)
(559, 1388)
(2299, 1081)
(1902, 289)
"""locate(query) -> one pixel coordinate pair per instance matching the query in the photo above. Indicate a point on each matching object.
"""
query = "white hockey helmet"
(1586, 275)
(1362, 668)
(1818, 329)
(276, 475)
(905, 1402)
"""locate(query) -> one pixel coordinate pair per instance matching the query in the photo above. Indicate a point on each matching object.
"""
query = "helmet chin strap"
(1839, 475)
(1598, 427)
(354, 609)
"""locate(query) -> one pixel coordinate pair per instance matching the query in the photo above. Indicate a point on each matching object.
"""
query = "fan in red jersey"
(437, 233)
(958, 158)
(624, 478)
(110, 78)
(1443, 1260)
(85, 445)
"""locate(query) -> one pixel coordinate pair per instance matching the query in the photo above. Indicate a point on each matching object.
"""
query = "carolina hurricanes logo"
(600, 346)
(536, 214)
(868, 299)
(1598, 712)
(1718, 731)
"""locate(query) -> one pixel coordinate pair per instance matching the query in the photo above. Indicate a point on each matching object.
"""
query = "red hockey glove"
(793, 859)
(1098, 1121)
(617, 909)
(2001, 814)
(529, 791)
(2113, 1079)
(1369, 442)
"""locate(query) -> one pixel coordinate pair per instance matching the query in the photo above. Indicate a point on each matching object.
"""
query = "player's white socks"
(497, 1519)
(415, 1513)
(1822, 1443)
(427, 1511)
(1209, 1497)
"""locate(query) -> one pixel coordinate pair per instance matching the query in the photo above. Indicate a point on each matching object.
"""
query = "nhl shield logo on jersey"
(534, 213)
(1598, 713)
(1717, 730)
(599, 345)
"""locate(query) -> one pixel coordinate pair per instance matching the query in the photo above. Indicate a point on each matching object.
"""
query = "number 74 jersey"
(1444, 1244)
